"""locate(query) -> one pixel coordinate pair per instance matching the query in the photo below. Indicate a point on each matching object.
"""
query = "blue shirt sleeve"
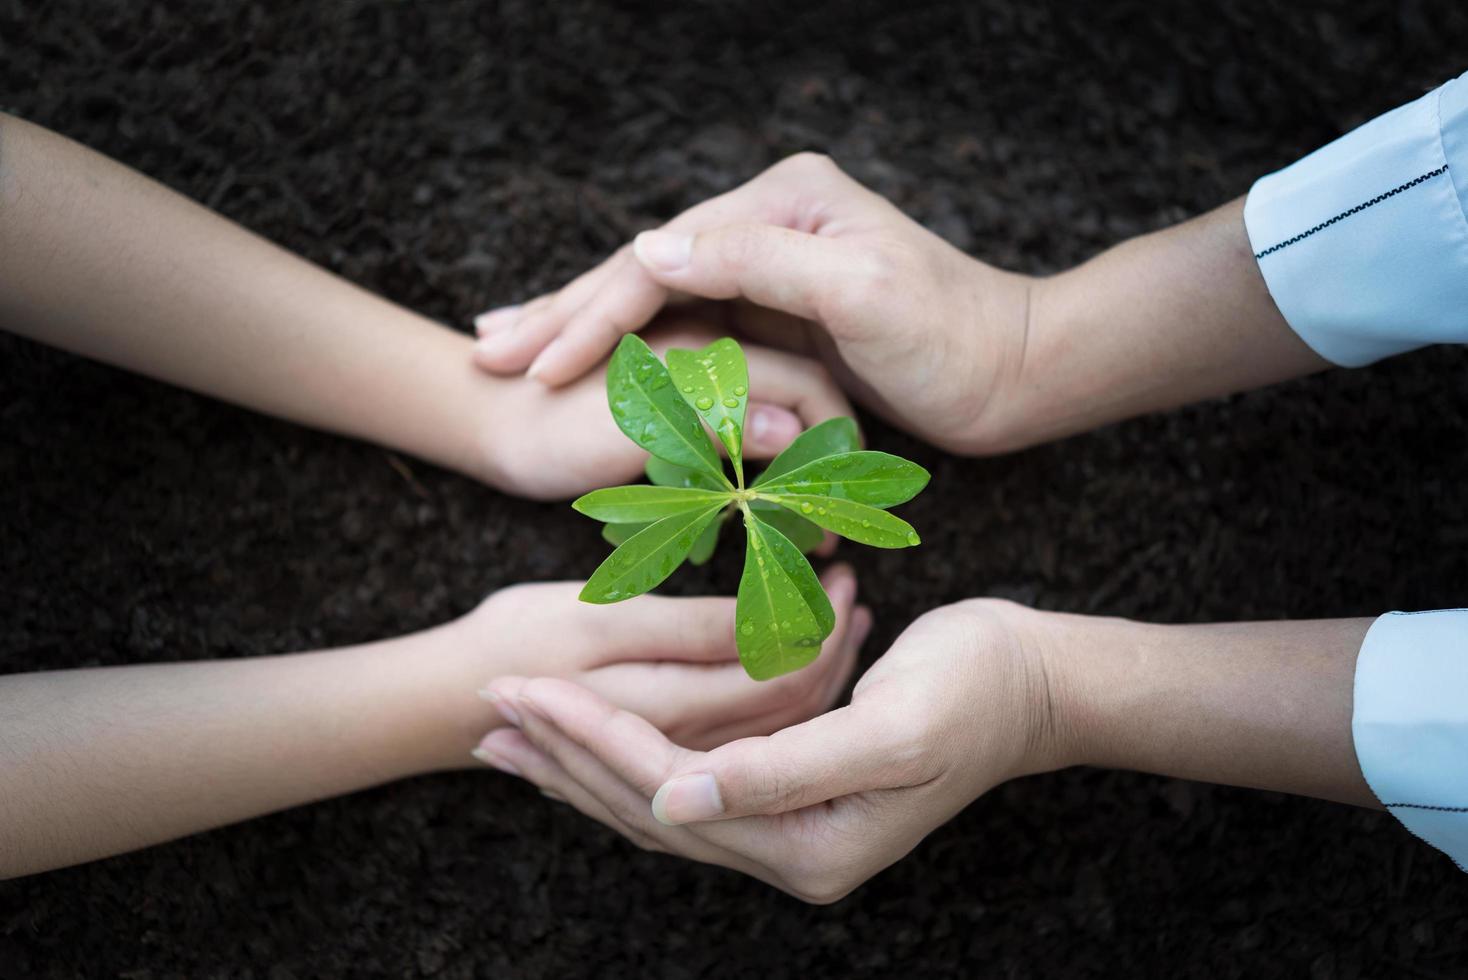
(1410, 723)
(1364, 243)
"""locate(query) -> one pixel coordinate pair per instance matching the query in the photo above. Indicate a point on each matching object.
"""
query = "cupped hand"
(556, 443)
(672, 661)
(959, 704)
(818, 264)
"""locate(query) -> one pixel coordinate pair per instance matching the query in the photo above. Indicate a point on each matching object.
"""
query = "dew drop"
(820, 510)
(912, 538)
(747, 628)
(731, 403)
(806, 507)
(688, 389)
(740, 390)
(704, 403)
(784, 625)
(866, 523)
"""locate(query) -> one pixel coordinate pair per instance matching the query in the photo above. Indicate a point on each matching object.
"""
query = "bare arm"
(971, 695)
(96, 762)
(1156, 322)
(102, 261)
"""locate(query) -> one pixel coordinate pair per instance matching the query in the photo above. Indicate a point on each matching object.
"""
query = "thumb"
(768, 265)
(836, 754)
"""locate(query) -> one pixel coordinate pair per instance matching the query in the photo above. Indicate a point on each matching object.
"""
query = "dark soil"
(452, 156)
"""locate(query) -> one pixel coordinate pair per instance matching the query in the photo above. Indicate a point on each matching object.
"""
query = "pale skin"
(976, 360)
(99, 260)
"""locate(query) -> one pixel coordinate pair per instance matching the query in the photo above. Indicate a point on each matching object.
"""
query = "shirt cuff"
(1410, 723)
(1364, 243)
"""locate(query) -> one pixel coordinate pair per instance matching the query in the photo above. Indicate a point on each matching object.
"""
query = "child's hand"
(552, 444)
(670, 660)
(912, 327)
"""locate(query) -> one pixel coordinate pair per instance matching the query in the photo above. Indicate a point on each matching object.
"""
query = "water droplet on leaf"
(731, 403)
(704, 403)
(806, 507)
(740, 390)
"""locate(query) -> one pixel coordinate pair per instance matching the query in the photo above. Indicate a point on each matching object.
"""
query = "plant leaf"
(617, 534)
(715, 383)
(703, 548)
(643, 504)
(648, 409)
(838, 435)
(859, 522)
(801, 532)
(879, 479)
(648, 557)
(782, 614)
(666, 474)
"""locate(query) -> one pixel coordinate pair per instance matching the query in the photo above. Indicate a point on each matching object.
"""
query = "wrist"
(1002, 323)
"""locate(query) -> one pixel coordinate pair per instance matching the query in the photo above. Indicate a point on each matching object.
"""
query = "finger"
(496, 349)
(625, 805)
(508, 750)
(625, 303)
(615, 756)
(789, 382)
(619, 297)
(842, 666)
(511, 348)
(663, 628)
(497, 319)
(787, 270)
(688, 702)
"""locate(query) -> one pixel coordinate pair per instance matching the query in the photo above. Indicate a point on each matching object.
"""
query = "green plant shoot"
(822, 480)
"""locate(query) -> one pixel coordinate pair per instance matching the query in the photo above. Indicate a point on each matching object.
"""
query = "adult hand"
(916, 330)
(552, 444)
(672, 661)
(959, 704)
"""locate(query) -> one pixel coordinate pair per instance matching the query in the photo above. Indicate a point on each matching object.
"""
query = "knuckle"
(821, 881)
(808, 162)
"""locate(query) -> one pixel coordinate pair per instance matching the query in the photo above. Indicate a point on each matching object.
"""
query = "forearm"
(102, 261)
(1156, 322)
(1265, 705)
(97, 762)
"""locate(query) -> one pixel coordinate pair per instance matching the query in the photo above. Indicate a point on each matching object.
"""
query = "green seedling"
(822, 480)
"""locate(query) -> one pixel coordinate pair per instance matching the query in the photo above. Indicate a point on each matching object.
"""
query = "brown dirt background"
(453, 155)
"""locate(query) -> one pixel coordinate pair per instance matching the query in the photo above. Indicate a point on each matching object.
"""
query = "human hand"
(671, 660)
(916, 330)
(959, 704)
(555, 443)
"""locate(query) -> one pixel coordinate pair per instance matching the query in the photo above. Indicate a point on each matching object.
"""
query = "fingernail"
(842, 589)
(497, 319)
(504, 706)
(687, 799)
(543, 360)
(770, 428)
(551, 794)
(666, 251)
(759, 424)
(496, 344)
(490, 759)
